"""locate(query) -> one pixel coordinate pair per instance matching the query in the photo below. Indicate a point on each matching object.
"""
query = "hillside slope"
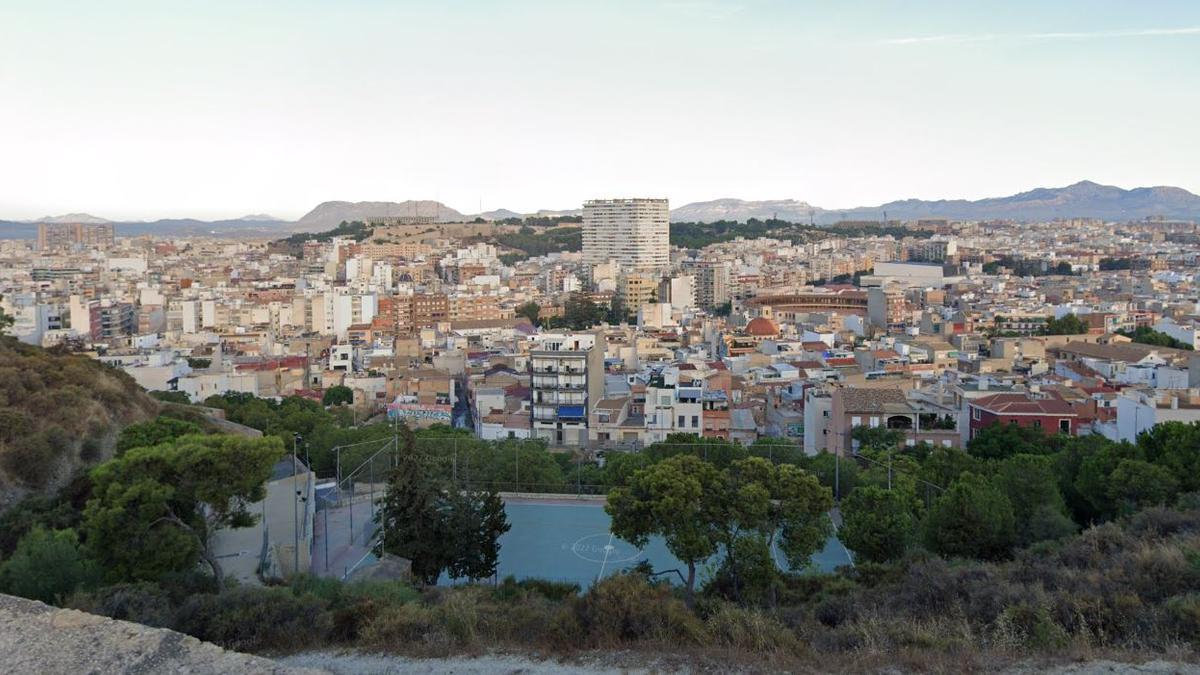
(59, 413)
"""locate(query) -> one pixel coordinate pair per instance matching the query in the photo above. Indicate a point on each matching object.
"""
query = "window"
(1064, 426)
(1037, 424)
(946, 443)
(856, 421)
(695, 421)
(682, 420)
(975, 414)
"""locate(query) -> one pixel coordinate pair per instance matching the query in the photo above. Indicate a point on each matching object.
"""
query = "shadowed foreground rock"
(37, 638)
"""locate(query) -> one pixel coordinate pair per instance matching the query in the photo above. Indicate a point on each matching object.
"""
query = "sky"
(215, 109)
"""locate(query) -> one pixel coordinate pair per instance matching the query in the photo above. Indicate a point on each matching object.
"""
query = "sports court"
(568, 540)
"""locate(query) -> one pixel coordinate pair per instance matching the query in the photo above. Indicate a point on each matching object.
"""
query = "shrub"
(750, 630)
(47, 566)
(254, 619)
(510, 589)
(1028, 626)
(1158, 572)
(1161, 522)
(143, 603)
(1183, 617)
(626, 607)
(459, 614)
(409, 625)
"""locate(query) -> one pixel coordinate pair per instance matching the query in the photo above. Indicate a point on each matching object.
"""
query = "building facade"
(567, 378)
(635, 233)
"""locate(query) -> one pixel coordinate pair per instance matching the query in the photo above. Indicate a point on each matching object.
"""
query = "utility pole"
(295, 508)
(837, 476)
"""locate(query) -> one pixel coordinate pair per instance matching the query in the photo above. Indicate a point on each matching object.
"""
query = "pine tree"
(437, 527)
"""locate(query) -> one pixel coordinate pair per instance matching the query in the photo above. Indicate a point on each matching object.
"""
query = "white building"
(1185, 333)
(635, 233)
(568, 377)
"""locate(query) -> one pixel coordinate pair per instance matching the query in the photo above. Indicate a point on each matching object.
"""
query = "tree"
(1148, 336)
(998, 441)
(530, 310)
(6, 320)
(1135, 485)
(878, 524)
(840, 476)
(437, 527)
(943, 466)
(877, 438)
(972, 519)
(778, 451)
(411, 525)
(580, 312)
(171, 396)
(158, 430)
(1069, 324)
(775, 505)
(619, 467)
(337, 395)
(617, 313)
(155, 510)
(1031, 486)
(476, 519)
(720, 453)
(47, 565)
(675, 499)
(1175, 446)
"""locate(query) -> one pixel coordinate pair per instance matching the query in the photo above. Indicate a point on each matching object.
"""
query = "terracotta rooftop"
(857, 399)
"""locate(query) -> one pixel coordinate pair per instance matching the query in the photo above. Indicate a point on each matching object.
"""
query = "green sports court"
(567, 539)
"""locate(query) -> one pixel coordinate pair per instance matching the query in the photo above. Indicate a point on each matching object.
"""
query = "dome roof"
(762, 327)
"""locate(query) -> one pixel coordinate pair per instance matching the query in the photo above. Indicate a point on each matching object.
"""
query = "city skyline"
(137, 111)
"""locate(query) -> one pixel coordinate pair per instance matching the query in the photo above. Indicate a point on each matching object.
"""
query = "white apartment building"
(568, 378)
(635, 233)
(672, 407)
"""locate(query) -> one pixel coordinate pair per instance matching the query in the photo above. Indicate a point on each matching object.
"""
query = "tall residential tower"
(633, 232)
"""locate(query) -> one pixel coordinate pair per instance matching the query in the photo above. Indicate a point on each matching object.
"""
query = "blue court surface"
(569, 540)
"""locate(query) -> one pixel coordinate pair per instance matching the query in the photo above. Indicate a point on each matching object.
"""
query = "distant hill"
(327, 215)
(246, 226)
(59, 413)
(738, 209)
(1084, 199)
(74, 218)
(500, 214)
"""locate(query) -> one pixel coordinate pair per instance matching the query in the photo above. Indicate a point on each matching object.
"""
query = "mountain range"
(1084, 199)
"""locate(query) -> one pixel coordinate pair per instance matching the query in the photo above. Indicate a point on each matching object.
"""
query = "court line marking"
(608, 548)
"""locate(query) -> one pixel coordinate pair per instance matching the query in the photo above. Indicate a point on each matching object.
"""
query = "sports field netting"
(569, 540)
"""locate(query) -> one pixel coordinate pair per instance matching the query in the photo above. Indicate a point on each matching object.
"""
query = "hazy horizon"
(140, 110)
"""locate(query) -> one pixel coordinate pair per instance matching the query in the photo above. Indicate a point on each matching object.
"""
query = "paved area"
(341, 536)
(37, 638)
(555, 537)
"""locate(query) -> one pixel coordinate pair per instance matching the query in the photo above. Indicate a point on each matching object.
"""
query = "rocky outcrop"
(37, 638)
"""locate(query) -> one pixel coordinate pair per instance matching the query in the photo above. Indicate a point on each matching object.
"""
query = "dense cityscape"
(681, 336)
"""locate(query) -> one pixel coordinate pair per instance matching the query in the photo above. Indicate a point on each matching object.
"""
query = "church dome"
(762, 327)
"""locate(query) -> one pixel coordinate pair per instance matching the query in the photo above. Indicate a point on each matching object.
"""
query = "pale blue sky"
(211, 109)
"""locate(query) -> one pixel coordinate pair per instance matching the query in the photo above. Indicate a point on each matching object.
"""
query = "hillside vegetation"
(59, 413)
